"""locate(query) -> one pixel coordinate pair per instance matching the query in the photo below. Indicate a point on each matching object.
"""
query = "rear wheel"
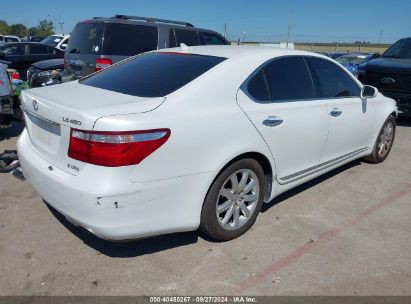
(384, 141)
(234, 200)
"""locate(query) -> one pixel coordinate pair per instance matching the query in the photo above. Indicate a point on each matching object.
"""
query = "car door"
(281, 101)
(351, 118)
(37, 52)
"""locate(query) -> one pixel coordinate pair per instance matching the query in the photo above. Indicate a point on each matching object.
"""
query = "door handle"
(272, 121)
(336, 113)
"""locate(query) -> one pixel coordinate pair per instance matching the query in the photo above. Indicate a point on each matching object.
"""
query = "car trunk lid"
(50, 114)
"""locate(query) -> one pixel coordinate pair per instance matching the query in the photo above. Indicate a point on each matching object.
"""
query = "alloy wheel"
(237, 199)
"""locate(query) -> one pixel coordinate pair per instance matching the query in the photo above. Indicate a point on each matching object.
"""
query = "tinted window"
(15, 49)
(400, 49)
(331, 80)
(153, 74)
(86, 38)
(257, 87)
(213, 39)
(289, 79)
(172, 39)
(129, 39)
(187, 37)
(38, 50)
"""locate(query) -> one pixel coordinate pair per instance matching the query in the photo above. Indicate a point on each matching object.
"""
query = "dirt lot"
(347, 233)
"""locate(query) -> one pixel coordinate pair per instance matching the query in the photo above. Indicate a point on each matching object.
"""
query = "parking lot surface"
(346, 233)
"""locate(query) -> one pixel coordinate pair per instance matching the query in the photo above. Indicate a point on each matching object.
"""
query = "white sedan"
(180, 139)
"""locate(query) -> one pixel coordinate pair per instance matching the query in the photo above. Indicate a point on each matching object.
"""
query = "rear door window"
(331, 80)
(38, 49)
(129, 39)
(86, 38)
(187, 37)
(153, 74)
(289, 80)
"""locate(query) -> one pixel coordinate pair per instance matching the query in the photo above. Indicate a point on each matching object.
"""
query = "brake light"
(115, 149)
(102, 63)
(15, 76)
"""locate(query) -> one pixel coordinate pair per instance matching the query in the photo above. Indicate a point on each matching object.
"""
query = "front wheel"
(234, 200)
(384, 141)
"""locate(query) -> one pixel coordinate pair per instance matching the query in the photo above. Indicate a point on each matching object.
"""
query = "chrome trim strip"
(50, 122)
(314, 169)
(43, 123)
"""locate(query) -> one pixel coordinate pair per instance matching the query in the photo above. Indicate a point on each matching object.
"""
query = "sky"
(260, 20)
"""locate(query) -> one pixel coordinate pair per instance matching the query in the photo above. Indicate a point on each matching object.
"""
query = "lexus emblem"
(35, 105)
(387, 80)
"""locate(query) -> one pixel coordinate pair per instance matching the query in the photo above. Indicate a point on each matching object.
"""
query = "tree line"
(43, 29)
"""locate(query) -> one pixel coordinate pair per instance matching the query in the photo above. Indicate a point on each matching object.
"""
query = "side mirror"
(2, 55)
(376, 55)
(63, 46)
(369, 92)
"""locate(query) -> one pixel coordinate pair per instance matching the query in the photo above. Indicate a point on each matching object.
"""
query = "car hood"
(388, 64)
(49, 64)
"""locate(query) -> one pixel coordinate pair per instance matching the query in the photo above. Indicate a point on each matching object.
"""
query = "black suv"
(391, 74)
(97, 43)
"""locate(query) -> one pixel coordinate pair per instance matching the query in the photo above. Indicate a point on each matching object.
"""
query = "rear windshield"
(153, 74)
(131, 39)
(86, 38)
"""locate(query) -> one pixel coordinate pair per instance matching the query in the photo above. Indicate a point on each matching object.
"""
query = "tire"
(230, 208)
(384, 142)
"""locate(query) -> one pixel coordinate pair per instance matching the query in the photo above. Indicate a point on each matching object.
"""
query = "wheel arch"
(263, 160)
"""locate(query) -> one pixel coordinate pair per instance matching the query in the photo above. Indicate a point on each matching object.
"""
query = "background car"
(125, 143)
(335, 55)
(23, 54)
(391, 74)
(8, 38)
(353, 60)
(42, 72)
(58, 41)
(125, 36)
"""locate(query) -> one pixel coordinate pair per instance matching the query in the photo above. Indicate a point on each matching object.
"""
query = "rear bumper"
(130, 211)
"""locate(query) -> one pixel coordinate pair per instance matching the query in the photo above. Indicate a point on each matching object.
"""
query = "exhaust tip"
(18, 173)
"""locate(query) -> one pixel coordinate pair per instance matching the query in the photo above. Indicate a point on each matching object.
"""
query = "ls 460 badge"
(72, 121)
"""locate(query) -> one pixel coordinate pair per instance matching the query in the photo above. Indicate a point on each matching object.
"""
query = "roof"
(235, 51)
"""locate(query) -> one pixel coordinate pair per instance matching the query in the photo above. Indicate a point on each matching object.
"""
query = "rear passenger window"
(331, 80)
(257, 87)
(129, 39)
(38, 49)
(187, 37)
(172, 39)
(289, 79)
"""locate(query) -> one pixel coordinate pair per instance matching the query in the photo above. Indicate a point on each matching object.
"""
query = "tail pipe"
(18, 173)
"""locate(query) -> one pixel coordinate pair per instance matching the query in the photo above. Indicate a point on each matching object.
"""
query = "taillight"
(15, 76)
(102, 63)
(115, 149)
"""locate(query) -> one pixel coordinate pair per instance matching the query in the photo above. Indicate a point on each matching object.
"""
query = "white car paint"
(62, 41)
(212, 121)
